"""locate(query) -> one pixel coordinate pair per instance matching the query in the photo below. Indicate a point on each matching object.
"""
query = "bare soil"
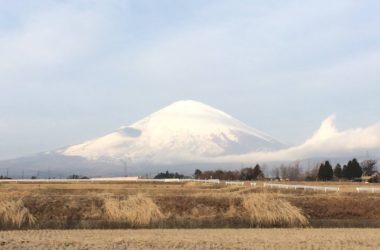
(193, 239)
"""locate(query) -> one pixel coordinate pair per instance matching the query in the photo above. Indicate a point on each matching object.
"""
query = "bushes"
(137, 211)
(269, 210)
(13, 214)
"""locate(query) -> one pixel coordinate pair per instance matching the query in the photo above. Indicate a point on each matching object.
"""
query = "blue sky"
(74, 70)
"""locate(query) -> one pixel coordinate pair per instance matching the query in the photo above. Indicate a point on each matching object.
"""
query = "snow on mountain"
(183, 131)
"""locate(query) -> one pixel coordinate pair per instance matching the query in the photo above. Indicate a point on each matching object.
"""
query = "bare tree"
(368, 167)
(291, 172)
(275, 173)
(312, 173)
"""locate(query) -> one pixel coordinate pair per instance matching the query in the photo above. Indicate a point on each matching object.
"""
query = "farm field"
(192, 239)
(77, 205)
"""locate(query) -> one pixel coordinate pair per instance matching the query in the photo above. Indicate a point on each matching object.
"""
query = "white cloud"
(329, 141)
(326, 142)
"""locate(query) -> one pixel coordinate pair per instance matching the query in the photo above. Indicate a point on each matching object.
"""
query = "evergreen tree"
(344, 172)
(325, 172)
(329, 171)
(338, 172)
(349, 171)
(321, 172)
(197, 173)
(356, 169)
(257, 173)
(353, 170)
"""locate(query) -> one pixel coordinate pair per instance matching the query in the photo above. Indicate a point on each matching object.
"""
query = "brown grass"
(14, 214)
(268, 210)
(181, 205)
(338, 206)
(138, 210)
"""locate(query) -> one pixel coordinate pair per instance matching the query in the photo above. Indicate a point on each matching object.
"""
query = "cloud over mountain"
(326, 142)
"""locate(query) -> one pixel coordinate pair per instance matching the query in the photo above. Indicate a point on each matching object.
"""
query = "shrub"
(138, 210)
(15, 214)
(266, 210)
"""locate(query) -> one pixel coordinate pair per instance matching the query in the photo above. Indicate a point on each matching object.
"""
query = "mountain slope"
(183, 131)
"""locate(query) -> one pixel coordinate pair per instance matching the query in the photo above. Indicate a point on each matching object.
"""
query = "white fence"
(370, 189)
(240, 183)
(108, 179)
(125, 179)
(304, 187)
(211, 181)
(236, 183)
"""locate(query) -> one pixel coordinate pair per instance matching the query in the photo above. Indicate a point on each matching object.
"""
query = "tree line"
(323, 172)
(351, 171)
(168, 175)
(245, 174)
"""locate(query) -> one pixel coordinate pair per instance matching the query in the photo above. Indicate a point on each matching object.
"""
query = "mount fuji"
(179, 136)
(181, 132)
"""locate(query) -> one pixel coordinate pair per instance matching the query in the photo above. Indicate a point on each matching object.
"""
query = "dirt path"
(193, 239)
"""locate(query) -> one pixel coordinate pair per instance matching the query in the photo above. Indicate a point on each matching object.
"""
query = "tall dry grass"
(14, 214)
(268, 210)
(138, 210)
(193, 205)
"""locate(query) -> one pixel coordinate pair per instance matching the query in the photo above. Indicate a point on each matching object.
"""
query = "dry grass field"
(193, 239)
(210, 216)
(181, 205)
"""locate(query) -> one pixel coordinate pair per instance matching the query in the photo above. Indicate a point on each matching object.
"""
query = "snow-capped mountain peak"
(182, 131)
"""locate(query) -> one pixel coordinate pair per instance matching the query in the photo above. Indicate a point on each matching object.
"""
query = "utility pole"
(23, 174)
(125, 167)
